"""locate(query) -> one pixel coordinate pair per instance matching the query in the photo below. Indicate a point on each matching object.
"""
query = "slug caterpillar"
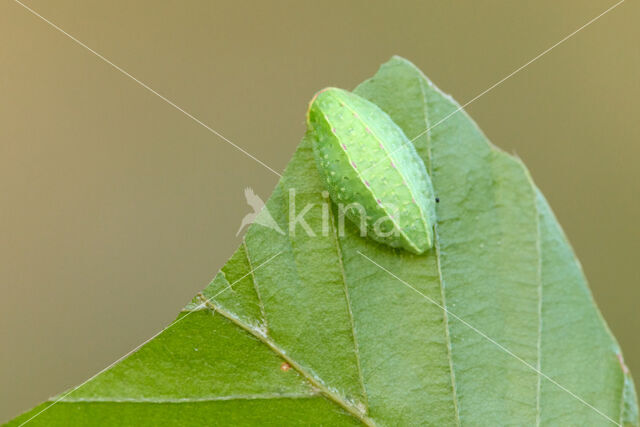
(369, 163)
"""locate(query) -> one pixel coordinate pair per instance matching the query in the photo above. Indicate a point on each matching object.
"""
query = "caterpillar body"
(366, 160)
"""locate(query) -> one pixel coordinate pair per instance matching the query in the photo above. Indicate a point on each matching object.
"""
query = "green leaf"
(493, 326)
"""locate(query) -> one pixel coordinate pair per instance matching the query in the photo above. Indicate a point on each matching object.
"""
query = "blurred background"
(115, 208)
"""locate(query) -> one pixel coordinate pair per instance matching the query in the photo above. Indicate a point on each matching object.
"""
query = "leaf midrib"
(436, 240)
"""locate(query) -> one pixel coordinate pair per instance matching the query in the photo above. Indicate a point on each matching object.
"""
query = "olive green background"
(115, 208)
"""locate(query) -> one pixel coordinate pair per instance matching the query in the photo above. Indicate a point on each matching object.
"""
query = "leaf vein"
(256, 288)
(436, 239)
(314, 380)
(348, 301)
(261, 396)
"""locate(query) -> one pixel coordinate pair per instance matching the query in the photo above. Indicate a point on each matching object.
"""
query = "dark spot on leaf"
(285, 367)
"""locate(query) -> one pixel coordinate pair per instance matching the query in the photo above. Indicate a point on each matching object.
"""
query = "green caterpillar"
(367, 160)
